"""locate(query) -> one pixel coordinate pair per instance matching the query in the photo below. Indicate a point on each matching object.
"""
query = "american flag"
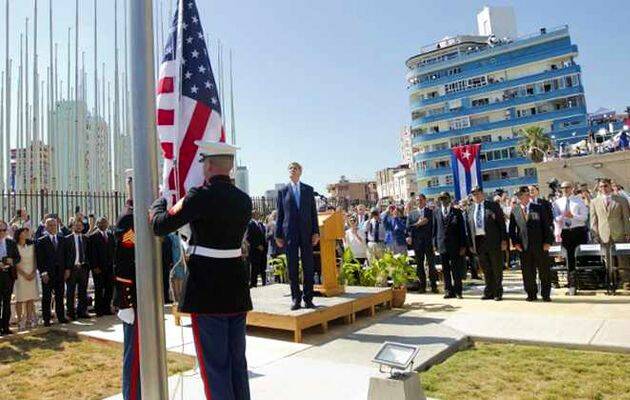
(188, 107)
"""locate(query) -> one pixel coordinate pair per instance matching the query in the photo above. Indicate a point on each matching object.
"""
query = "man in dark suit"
(487, 239)
(102, 245)
(449, 238)
(9, 257)
(51, 264)
(76, 256)
(257, 256)
(297, 229)
(420, 231)
(531, 236)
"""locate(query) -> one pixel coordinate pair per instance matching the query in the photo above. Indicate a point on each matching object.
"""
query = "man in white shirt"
(571, 214)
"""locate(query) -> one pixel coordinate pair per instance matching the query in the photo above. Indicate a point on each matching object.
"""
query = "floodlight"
(396, 356)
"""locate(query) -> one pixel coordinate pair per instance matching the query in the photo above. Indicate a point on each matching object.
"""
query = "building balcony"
(507, 123)
(513, 102)
(497, 85)
(487, 185)
(485, 165)
(576, 133)
(486, 52)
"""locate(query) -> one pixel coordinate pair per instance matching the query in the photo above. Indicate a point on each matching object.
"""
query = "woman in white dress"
(26, 285)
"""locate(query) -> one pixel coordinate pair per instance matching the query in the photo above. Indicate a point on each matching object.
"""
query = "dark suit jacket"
(449, 234)
(423, 233)
(101, 252)
(14, 254)
(70, 251)
(256, 237)
(547, 208)
(293, 223)
(49, 258)
(494, 225)
(533, 233)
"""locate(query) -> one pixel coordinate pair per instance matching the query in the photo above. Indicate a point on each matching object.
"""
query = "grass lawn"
(57, 365)
(511, 372)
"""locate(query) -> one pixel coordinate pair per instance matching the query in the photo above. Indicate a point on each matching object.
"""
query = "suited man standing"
(297, 230)
(610, 218)
(102, 248)
(51, 264)
(257, 256)
(420, 231)
(531, 236)
(449, 238)
(9, 258)
(76, 256)
(487, 238)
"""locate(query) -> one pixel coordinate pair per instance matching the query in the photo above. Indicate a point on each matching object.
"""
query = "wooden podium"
(330, 230)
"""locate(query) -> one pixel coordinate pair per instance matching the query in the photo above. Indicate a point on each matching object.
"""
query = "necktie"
(296, 193)
(376, 235)
(567, 222)
(105, 236)
(54, 240)
(524, 209)
(478, 217)
(80, 250)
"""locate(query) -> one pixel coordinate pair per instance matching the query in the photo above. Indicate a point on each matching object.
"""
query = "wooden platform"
(272, 308)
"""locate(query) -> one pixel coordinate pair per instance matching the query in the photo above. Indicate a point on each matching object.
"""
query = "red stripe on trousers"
(165, 117)
(198, 124)
(165, 85)
(135, 366)
(199, 350)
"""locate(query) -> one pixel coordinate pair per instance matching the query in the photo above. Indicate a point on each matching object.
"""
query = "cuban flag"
(466, 165)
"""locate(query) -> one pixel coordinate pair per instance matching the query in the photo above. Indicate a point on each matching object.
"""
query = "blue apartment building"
(485, 89)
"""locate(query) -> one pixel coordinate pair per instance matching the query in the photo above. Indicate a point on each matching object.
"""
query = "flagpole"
(77, 165)
(115, 116)
(7, 88)
(153, 376)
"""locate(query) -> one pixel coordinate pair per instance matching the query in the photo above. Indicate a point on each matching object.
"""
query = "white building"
(396, 183)
(273, 193)
(406, 146)
(241, 178)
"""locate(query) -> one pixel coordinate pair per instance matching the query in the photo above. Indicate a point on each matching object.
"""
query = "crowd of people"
(53, 262)
(492, 233)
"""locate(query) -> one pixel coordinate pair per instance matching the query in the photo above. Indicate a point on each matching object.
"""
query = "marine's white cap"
(210, 149)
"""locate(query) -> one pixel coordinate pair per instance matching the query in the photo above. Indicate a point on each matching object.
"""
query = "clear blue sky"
(323, 82)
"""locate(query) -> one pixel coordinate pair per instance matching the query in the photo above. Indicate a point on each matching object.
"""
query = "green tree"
(535, 143)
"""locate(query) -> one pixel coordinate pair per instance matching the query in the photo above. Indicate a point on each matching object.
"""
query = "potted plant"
(280, 268)
(350, 270)
(401, 272)
(375, 274)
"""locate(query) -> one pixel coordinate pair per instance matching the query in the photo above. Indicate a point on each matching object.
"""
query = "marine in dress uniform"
(216, 290)
(125, 298)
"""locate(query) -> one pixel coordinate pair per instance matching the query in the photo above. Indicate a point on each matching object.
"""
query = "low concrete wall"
(586, 169)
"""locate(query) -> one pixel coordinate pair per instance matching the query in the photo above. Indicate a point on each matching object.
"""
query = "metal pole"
(153, 376)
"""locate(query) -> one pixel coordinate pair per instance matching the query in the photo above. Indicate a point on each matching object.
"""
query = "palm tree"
(535, 143)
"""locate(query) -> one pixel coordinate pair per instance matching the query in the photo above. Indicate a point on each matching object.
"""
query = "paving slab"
(614, 335)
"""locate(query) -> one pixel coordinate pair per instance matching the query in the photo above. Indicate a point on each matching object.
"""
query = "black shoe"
(532, 299)
(459, 296)
(7, 332)
(46, 323)
(547, 299)
(435, 290)
(296, 306)
(486, 297)
(309, 304)
(63, 321)
(498, 298)
(84, 316)
(422, 290)
(449, 296)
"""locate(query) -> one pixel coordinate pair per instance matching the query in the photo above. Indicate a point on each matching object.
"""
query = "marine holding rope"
(216, 290)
